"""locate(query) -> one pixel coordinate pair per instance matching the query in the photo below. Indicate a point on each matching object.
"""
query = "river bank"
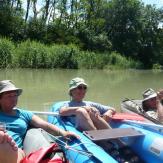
(31, 54)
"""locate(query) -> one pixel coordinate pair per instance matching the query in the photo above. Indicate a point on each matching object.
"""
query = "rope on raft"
(66, 146)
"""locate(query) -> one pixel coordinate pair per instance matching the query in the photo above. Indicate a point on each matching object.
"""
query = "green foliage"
(36, 30)
(30, 54)
(62, 56)
(97, 27)
(117, 61)
(123, 23)
(157, 66)
(11, 21)
(6, 53)
(90, 60)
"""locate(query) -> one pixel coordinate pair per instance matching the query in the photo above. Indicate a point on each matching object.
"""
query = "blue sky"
(158, 3)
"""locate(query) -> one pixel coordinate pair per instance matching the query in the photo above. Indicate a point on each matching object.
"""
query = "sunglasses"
(80, 87)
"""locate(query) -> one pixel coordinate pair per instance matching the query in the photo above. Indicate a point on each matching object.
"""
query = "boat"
(127, 141)
(135, 107)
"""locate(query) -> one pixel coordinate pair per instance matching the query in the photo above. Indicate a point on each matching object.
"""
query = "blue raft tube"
(147, 146)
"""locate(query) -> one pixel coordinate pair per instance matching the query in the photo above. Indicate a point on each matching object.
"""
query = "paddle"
(116, 116)
(45, 113)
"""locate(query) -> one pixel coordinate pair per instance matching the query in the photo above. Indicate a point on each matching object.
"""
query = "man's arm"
(159, 105)
(68, 111)
(50, 128)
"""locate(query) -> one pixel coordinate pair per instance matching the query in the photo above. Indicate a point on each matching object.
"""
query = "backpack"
(45, 155)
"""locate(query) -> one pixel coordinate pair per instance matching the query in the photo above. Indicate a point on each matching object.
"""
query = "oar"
(45, 113)
(116, 116)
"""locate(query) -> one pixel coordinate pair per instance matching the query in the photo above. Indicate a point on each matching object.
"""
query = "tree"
(11, 21)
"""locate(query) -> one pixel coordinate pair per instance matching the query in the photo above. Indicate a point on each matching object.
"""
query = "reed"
(32, 54)
(6, 52)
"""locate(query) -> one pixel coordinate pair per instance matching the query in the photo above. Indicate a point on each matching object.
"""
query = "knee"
(82, 112)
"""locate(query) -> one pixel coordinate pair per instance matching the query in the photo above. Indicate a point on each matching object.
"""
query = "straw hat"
(7, 85)
(149, 94)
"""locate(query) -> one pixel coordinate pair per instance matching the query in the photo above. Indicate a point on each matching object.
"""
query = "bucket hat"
(149, 94)
(7, 85)
(75, 82)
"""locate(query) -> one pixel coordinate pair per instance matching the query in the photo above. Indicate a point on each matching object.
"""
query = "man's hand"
(69, 135)
(92, 110)
(159, 98)
(160, 94)
(107, 116)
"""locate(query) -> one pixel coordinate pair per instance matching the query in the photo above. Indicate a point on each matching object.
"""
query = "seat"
(106, 134)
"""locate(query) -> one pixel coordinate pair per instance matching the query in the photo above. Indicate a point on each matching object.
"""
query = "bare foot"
(5, 138)
(8, 149)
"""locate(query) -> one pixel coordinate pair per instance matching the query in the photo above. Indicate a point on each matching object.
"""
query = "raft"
(127, 141)
(135, 106)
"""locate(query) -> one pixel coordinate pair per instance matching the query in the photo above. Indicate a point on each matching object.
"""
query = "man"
(86, 115)
(153, 103)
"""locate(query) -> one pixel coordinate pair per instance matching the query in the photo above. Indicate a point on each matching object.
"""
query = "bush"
(117, 61)
(30, 54)
(91, 60)
(157, 66)
(6, 53)
(63, 56)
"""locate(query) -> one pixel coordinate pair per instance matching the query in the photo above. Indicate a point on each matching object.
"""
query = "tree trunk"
(27, 11)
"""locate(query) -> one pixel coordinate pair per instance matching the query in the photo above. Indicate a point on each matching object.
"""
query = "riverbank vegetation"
(80, 34)
(32, 54)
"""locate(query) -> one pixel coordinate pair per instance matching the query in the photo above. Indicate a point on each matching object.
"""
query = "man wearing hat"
(85, 115)
(18, 121)
(153, 103)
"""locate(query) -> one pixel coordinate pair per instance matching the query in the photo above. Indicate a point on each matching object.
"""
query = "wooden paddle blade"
(127, 116)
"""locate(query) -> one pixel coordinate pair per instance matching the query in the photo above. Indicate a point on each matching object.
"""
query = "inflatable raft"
(127, 141)
(135, 106)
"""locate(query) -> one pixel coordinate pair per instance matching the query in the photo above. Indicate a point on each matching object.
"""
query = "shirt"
(17, 125)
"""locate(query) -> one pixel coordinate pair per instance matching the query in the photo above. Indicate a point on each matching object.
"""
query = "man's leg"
(99, 122)
(84, 121)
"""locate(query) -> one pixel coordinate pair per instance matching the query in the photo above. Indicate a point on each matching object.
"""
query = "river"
(42, 87)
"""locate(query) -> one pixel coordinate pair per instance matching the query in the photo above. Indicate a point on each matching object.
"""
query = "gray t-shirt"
(102, 108)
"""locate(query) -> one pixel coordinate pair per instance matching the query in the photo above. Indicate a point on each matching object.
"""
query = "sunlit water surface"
(43, 87)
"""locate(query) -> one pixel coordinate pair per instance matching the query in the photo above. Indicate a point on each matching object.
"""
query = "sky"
(158, 3)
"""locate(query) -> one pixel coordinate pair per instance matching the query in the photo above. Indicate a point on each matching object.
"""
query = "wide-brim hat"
(75, 82)
(149, 94)
(7, 85)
